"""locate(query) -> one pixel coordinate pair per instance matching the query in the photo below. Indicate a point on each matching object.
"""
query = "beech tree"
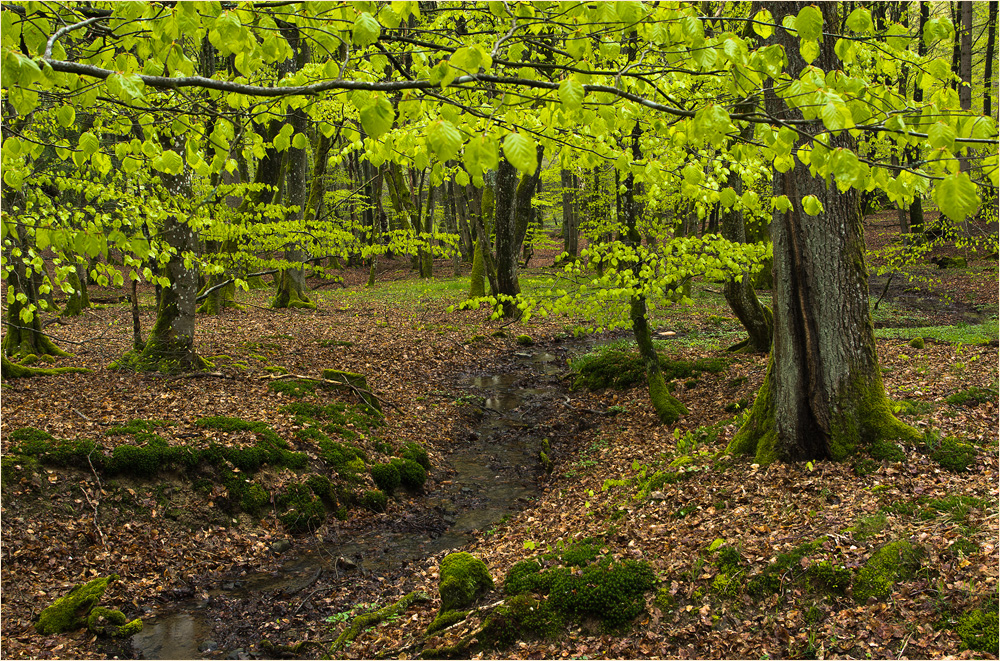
(530, 78)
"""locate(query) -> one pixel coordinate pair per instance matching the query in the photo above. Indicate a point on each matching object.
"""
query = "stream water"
(495, 474)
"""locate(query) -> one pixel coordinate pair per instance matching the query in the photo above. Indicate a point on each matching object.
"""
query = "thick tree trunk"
(823, 397)
(507, 247)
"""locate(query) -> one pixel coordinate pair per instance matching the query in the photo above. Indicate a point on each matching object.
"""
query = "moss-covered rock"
(417, 453)
(112, 622)
(525, 340)
(71, 611)
(445, 620)
(411, 474)
(894, 562)
(464, 578)
(917, 343)
(610, 591)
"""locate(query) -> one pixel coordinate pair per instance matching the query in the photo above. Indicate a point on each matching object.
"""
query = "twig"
(94, 504)
(903, 648)
(200, 375)
(82, 416)
(360, 392)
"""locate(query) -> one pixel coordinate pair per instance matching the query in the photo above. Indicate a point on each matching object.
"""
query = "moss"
(386, 477)
(883, 450)
(411, 474)
(293, 387)
(77, 453)
(954, 455)
(477, 282)
(668, 408)
(616, 368)
(525, 340)
(830, 578)
(70, 612)
(917, 343)
(251, 497)
(304, 512)
(521, 617)
(978, 630)
(890, 564)
(464, 578)
(610, 591)
(786, 566)
(417, 453)
(375, 500)
(974, 396)
(445, 620)
(112, 622)
(862, 416)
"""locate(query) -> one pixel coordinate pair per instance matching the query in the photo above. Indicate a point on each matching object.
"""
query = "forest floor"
(179, 543)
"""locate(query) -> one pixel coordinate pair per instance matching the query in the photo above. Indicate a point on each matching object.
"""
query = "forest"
(507, 329)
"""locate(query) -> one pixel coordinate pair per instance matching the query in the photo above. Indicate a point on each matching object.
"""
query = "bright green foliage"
(978, 630)
(887, 566)
(70, 612)
(464, 578)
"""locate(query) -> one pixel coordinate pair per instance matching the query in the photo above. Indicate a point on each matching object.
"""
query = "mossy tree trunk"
(668, 408)
(823, 397)
(481, 208)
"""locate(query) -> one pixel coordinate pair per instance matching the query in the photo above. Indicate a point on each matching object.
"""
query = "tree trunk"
(991, 46)
(427, 229)
(668, 408)
(571, 223)
(77, 300)
(916, 223)
(507, 247)
(823, 396)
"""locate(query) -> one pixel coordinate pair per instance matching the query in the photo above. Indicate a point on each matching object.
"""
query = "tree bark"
(571, 222)
(823, 396)
(991, 49)
(916, 223)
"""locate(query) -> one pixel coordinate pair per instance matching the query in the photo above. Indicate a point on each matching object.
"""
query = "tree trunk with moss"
(668, 408)
(512, 212)
(823, 397)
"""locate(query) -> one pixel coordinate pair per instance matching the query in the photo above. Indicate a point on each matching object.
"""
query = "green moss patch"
(954, 455)
(786, 568)
(892, 563)
(522, 617)
(70, 612)
(973, 396)
(464, 578)
(978, 630)
(618, 368)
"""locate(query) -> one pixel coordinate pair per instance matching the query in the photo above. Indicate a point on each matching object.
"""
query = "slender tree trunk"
(571, 224)
(916, 223)
(668, 408)
(823, 396)
(427, 245)
(991, 50)
(507, 248)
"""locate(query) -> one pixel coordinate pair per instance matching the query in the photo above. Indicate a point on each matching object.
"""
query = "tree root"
(362, 622)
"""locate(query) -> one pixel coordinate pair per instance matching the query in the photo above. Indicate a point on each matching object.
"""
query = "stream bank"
(491, 471)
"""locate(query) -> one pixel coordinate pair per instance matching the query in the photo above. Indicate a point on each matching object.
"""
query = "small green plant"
(375, 500)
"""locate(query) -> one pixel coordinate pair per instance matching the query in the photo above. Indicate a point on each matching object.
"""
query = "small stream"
(495, 474)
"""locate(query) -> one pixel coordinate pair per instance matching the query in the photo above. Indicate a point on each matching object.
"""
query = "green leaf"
(89, 144)
(809, 50)
(366, 30)
(377, 119)
(481, 154)
(763, 31)
(629, 11)
(13, 177)
(716, 544)
(169, 162)
(571, 93)
(860, 21)
(66, 115)
(956, 196)
(809, 22)
(300, 141)
(520, 152)
(126, 87)
(727, 197)
(811, 205)
(846, 168)
(941, 135)
(692, 174)
(444, 139)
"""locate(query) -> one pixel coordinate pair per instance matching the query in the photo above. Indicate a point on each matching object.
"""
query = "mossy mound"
(416, 452)
(445, 620)
(375, 500)
(386, 477)
(894, 562)
(580, 581)
(786, 565)
(70, 612)
(620, 369)
(411, 474)
(464, 578)
(112, 622)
